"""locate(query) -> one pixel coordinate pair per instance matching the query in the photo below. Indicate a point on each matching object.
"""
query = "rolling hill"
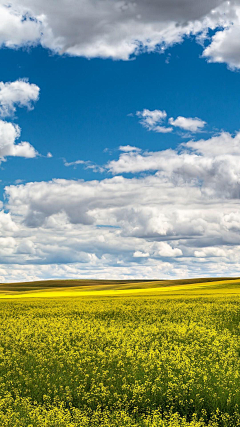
(88, 288)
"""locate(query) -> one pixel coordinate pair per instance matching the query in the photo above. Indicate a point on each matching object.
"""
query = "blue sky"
(143, 176)
(84, 105)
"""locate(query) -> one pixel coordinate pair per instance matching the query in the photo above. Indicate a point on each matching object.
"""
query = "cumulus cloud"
(7, 225)
(17, 28)
(219, 145)
(173, 223)
(19, 93)
(156, 121)
(9, 133)
(121, 227)
(199, 169)
(108, 29)
(212, 165)
(121, 29)
(224, 45)
(132, 220)
(187, 123)
(139, 254)
(152, 120)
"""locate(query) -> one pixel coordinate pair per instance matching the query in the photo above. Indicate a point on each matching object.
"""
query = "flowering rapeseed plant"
(120, 362)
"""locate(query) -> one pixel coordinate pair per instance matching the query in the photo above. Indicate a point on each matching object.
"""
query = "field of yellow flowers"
(120, 361)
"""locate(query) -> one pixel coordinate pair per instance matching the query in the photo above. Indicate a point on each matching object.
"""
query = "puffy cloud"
(17, 28)
(152, 120)
(123, 28)
(212, 165)
(187, 123)
(165, 250)
(19, 93)
(139, 254)
(219, 145)
(199, 169)
(134, 162)
(211, 252)
(7, 225)
(12, 94)
(133, 232)
(175, 222)
(9, 133)
(106, 29)
(120, 29)
(224, 45)
(120, 227)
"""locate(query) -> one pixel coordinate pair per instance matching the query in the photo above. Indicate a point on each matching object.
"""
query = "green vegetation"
(155, 360)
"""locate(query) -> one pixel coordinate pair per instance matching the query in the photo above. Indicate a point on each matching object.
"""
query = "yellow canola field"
(138, 360)
(120, 354)
(218, 287)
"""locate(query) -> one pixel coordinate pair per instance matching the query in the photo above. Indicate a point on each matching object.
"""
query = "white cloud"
(159, 250)
(162, 129)
(139, 254)
(75, 163)
(9, 133)
(224, 45)
(121, 228)
(213, 164)
(19, 93)
(187, 123)
(128, 148)
(120, 29)
(87, 165)
(18, 273)
(181, 177)
(7, 225)
(220, 145)
(165, 250)
(17, 28)
(107, 29)
(156, 120)
(127, 228)
(149, 119)
(12, 94)
(152, 120)
(211, 252)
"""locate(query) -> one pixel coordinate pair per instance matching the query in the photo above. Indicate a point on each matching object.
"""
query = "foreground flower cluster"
(120, 362)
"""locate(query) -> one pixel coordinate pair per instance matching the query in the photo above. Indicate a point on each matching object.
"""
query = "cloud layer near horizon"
(120, 29)
(181, 219)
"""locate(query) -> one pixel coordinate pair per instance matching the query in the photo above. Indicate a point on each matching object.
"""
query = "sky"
(119, 139)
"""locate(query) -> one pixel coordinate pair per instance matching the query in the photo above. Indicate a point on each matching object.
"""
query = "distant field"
(88, 288)
(161, 354)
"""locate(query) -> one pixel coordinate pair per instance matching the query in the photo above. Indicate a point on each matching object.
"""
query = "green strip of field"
(103, 288)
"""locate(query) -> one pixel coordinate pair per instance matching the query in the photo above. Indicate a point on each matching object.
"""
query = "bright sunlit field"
(120, 354)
